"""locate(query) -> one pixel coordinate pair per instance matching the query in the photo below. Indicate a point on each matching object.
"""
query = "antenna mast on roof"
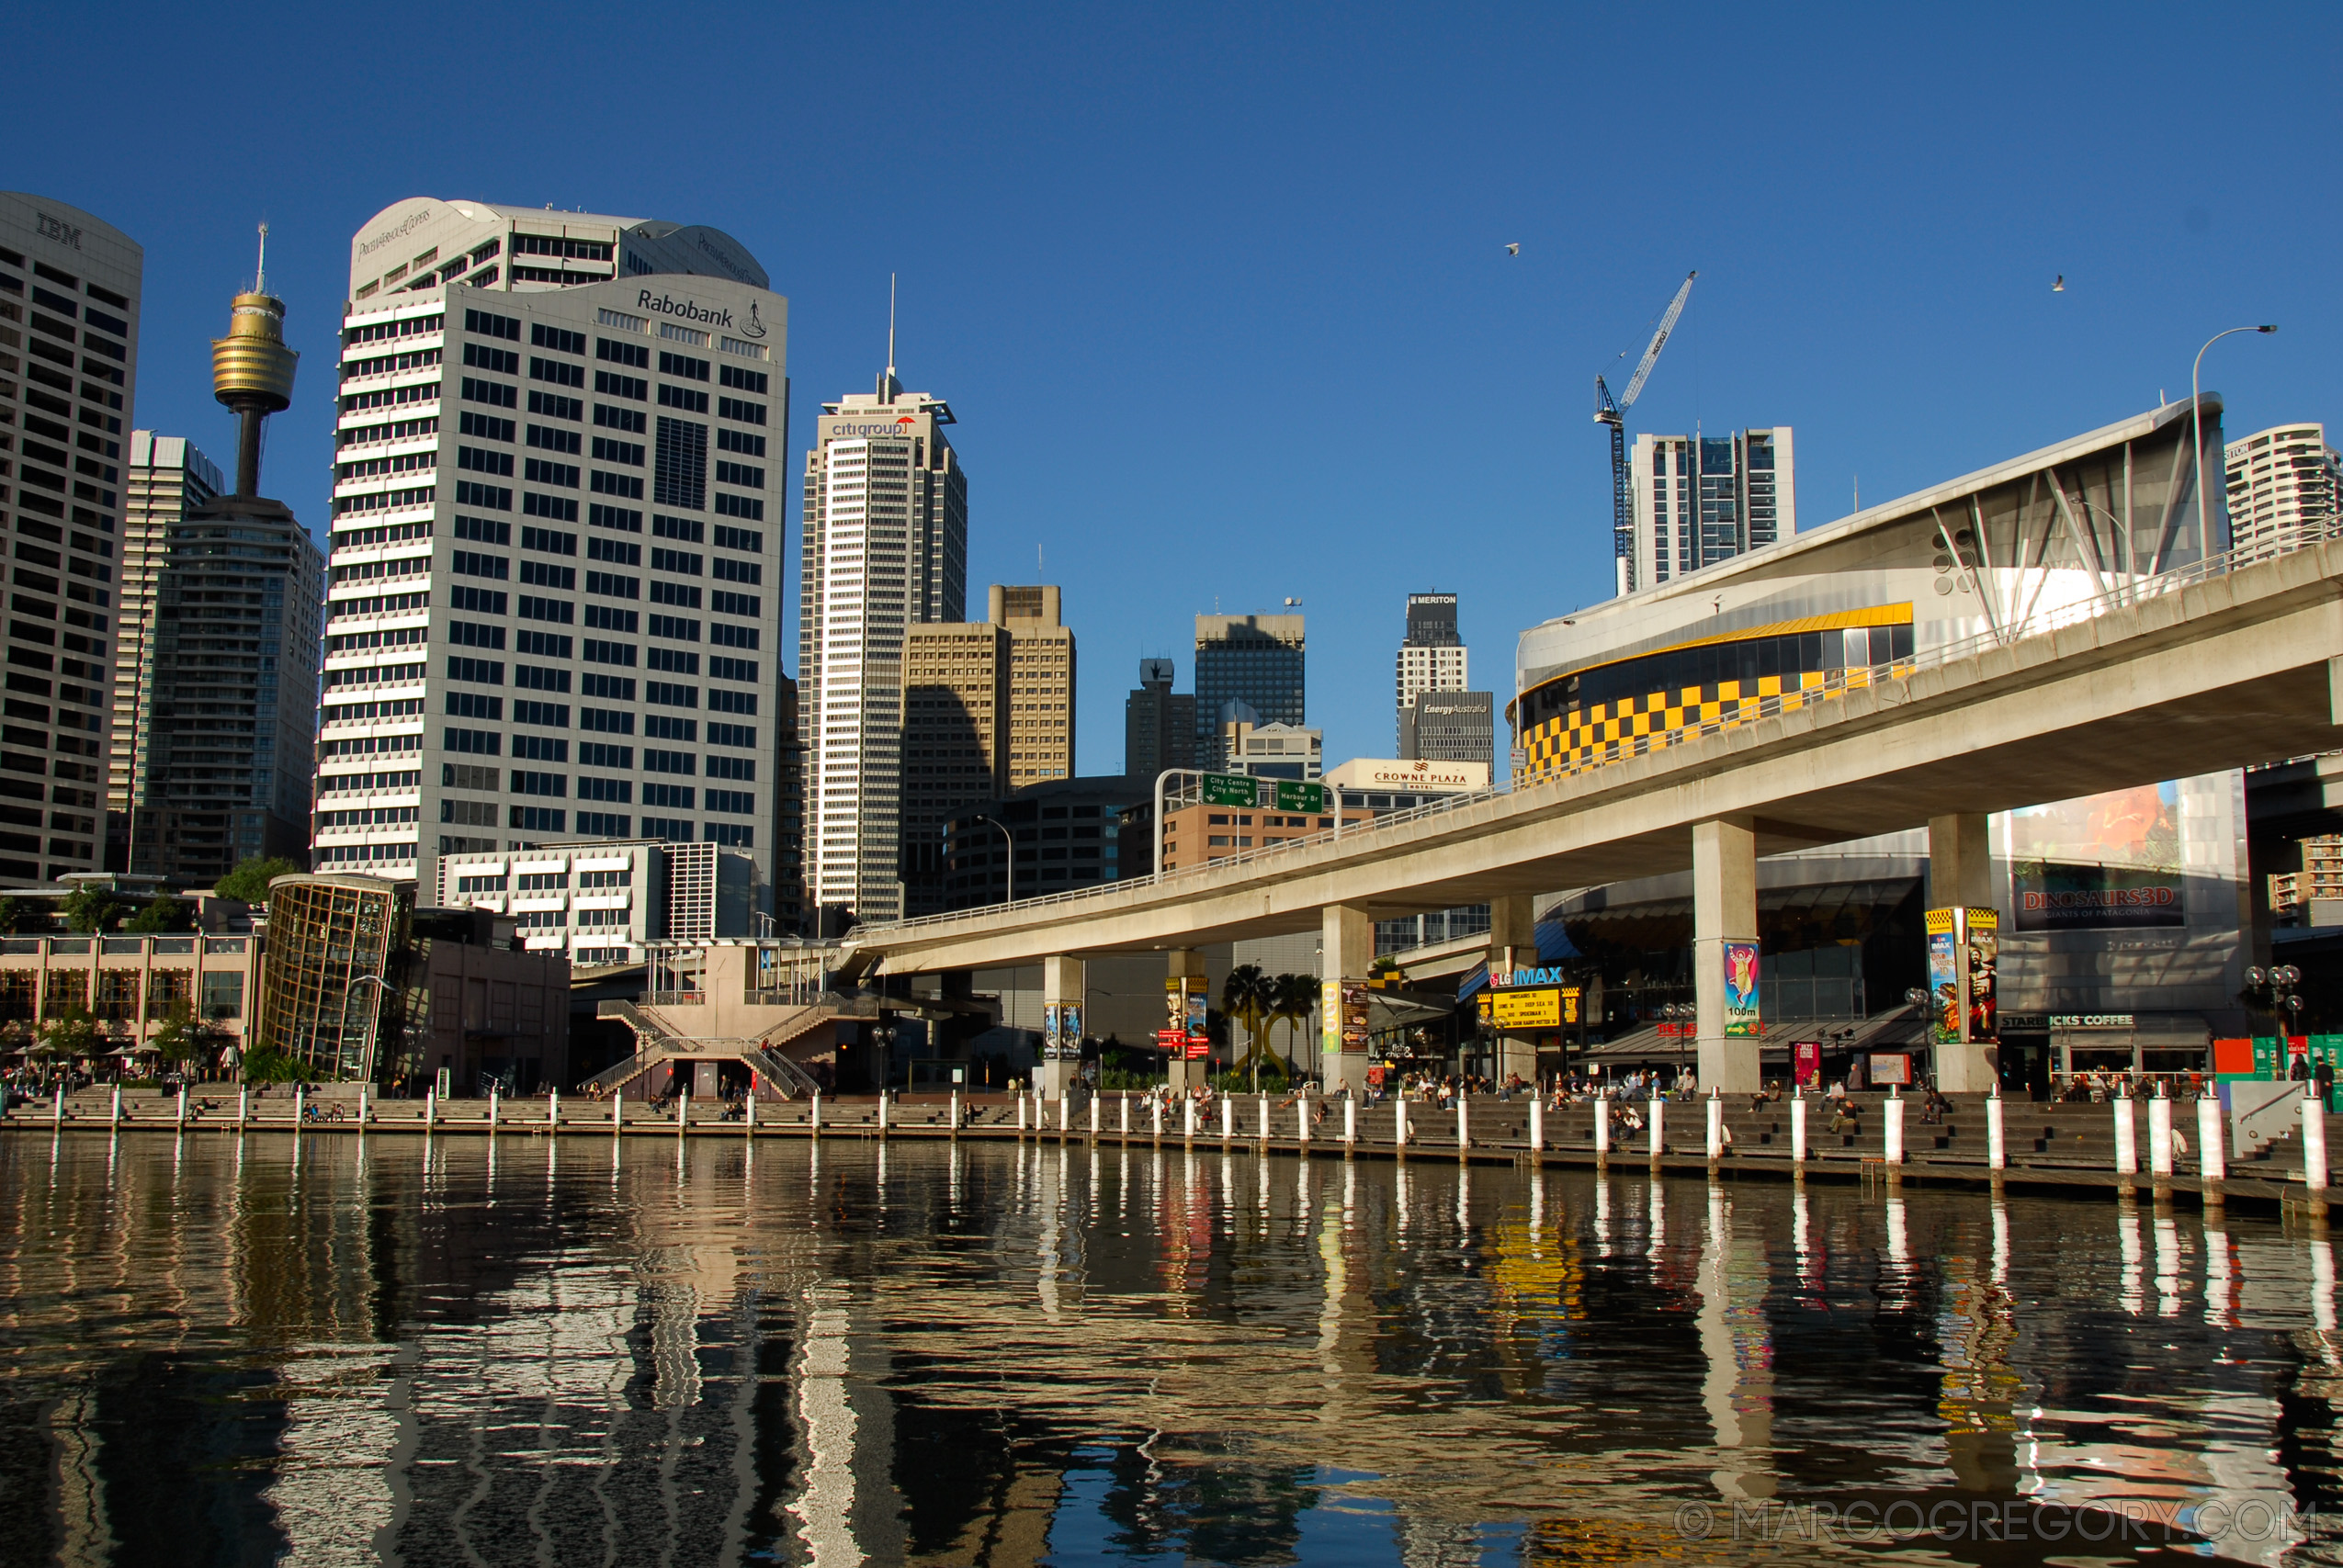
(260, 278)
(890, 325)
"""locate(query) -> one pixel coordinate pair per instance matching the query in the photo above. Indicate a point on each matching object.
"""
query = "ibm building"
(554, 606)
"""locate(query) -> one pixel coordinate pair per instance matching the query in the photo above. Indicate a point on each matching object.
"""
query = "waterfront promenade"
(2083, 1148)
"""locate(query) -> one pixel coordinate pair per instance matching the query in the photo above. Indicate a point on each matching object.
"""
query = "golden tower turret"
(251, 370)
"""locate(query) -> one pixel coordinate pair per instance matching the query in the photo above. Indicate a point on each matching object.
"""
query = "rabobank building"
(556, 578)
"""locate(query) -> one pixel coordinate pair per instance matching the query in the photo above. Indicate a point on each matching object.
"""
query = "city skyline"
(1384, 263)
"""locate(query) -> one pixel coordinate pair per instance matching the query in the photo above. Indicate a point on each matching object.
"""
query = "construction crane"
(1622, 502)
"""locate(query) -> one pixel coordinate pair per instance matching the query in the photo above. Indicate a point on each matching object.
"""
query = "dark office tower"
(231, 718)
(1254, 660)
(69, 306)
(1449, 726)
(1158, 724)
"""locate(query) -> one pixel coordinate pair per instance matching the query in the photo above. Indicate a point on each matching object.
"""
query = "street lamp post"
(2196, 429)
(1009, 841)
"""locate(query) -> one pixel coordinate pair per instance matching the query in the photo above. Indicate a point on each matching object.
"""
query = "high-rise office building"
(1039, 732)
(2282, 482)
(557, 567)
(68, 324)
(1159, 723)
(1432, 657)
(987, 710)
(1449, 726)
(1703, 499)
(166, 478)
(886, 549)
(1253, 660)
(231, 691)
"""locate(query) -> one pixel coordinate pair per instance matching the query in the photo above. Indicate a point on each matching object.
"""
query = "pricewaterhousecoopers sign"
(684, 309)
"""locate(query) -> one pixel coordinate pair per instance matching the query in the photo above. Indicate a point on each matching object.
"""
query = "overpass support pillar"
(1062, 987)
(1181, 963)
(1960, 875)
(1346, 950)
(1724, 912)
(1513, 944)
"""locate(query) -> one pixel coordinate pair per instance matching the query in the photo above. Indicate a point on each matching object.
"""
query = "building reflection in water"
(415, 1352)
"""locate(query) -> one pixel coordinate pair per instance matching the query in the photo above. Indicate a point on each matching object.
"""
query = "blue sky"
(1219, 294)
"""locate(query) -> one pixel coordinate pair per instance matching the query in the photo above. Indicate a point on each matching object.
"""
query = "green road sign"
(1229, 789)
(1300, 797)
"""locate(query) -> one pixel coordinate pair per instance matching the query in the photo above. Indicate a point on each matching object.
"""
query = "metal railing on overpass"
(1882, 678)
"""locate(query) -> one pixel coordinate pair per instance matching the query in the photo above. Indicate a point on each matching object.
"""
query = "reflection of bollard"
(2212, 1149)
(1798, 1127)
(1996, 1147)
(2160, 1136)
(1892, 1128)
(2127, 1147)
(2314, 1149)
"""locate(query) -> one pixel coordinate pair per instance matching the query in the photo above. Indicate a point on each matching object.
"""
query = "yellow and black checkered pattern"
(1631, 726)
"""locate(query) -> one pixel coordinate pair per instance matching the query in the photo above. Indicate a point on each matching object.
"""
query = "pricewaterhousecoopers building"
(556, 578)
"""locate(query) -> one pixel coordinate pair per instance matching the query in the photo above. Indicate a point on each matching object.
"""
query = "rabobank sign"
(684, 309)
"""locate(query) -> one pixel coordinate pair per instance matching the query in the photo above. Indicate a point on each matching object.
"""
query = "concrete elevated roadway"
(2217, 666)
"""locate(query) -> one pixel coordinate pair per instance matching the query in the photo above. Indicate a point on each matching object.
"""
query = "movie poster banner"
(1964, 964)
(1944, 977)
(1740, 990)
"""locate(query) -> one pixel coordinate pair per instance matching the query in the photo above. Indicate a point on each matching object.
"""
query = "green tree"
(18, 915)
(162, 915)
(1298, 998)
(89, 908)
(1247, 997)
(184, 1037)
(72, 1033)
(248, 883)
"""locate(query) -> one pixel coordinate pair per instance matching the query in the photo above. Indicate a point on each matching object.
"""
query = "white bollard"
(1996, 1149)
(1798, 1128)
(1464, 1127)
(2160, 1136)
(1264, 1117)
(955, 1112)
(1021, 1110)
(300, 1103)
(1123, 1114)
(57, 1110)
(683, 1110)
(1093, 1118)
(1155, 1114)
(430, 1108)
(2314, 1141)
(552, 1107)
(1715, 1127)
(882, 1111)
(748, 1113)
(1537, 1122)
(2127, 1146)
(1065, 1113)
(362, 1101)
(813, 1113)
(1188, 1117)
(114, 1116)
(1658, 1127)
(2213, 1147)
(1349, 1119)
(618, 1111)
(1228, 1117)
(1302, 1119)
(183, 1105)
(1399, 1121)
(1603, 1124)
(491, 1107)
(1892, 1129)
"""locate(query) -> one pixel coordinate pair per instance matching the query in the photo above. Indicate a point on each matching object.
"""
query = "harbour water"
(225, 1350)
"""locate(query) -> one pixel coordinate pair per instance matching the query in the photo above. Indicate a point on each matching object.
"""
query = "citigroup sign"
(862, 430)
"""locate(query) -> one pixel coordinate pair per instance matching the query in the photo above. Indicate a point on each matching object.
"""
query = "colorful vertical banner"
(1062, 1031)
(1806, 1063)
(1963, 984)
(1741, 989)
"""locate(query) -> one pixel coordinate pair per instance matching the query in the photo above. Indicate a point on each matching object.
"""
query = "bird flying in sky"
(1514, 249)
(2059, 286)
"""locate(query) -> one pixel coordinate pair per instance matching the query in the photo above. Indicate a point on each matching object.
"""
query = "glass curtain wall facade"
(330, 937)
(1256, 660)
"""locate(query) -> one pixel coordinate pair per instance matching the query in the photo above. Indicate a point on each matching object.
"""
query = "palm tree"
(1296, 1001)
(1247, 997)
